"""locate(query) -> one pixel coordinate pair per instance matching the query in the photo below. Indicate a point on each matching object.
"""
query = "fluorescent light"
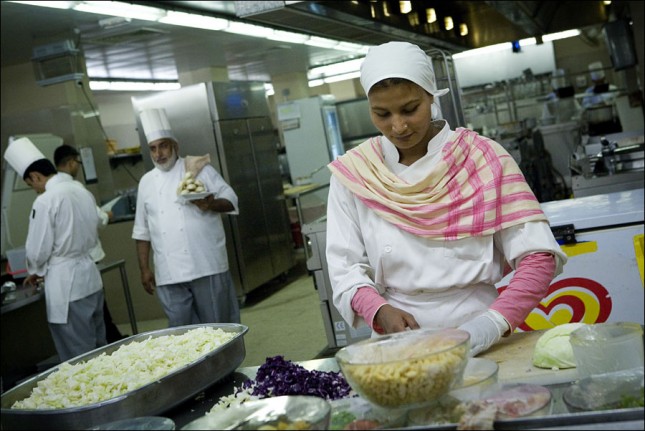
(52, 4)
(524, 42)
(248, 29)
(133, 86)
(405, 7)
(288, 36)
(316, 82)
(343, 77)
(335, 69)
(448, 23)
(268, 88)
(321, 42)
(561, 35)
(195, 21)
(431, 15)
(126, 10)
(463, 29)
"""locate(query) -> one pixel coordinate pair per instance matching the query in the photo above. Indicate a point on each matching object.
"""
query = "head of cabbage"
(553, 349)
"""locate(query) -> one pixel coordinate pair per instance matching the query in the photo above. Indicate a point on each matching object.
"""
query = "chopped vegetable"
(278, 376)
(130, 367)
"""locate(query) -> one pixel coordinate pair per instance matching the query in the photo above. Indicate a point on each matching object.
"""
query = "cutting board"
(514, 355)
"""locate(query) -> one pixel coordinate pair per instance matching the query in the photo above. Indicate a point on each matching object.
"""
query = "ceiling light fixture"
(431, 15)
(125, 10)
(386, 9)
(287, 36)
(248, 29)
(405, 7)
(133, 86)
(343, 67)
(448, 24)
(195, 21)
(463, 29)
(52, 4)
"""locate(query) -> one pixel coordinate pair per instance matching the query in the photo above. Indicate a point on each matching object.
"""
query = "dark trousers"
(112, 333)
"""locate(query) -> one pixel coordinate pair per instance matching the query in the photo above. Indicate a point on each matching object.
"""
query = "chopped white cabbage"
(131, 366)
(553, 349)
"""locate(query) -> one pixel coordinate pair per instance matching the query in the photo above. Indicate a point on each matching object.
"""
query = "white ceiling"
(151, 50)
(154, 51)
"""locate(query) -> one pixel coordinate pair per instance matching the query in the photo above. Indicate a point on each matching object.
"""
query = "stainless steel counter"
(559, 417)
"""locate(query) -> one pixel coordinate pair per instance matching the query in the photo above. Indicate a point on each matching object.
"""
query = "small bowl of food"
(292, 412)
(406, 369)
(479, 379)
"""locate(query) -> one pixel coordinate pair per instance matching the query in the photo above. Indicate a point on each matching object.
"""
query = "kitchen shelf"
(118, 159)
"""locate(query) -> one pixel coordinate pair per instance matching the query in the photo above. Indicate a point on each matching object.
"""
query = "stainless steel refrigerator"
(231, 122)
(311, 134)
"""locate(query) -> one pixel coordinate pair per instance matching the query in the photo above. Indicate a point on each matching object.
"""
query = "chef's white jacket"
(441, 283)
(62, 230)
(97, 253)
(187, 243)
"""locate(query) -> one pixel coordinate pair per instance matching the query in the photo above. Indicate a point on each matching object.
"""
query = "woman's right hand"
(390, 319)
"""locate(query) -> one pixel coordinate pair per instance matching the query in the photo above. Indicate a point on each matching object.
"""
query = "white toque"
(21, 153)
(156, 125)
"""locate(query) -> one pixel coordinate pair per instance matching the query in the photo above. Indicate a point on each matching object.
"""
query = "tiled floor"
(283, 317)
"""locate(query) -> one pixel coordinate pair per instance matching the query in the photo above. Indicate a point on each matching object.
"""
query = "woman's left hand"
(390, 319)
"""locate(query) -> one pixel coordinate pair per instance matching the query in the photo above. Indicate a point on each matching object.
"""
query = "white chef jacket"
(62, 230)
(441, 283)
(97, 253)
(187, 243)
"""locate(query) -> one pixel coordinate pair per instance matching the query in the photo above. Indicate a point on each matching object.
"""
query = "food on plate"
(553, 349)
(356, 413)
(282, 423)
(478, 416)
(189, 184)
(130, 367)
(520, 400)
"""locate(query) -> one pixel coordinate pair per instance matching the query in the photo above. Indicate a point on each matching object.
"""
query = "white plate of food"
(194, 196)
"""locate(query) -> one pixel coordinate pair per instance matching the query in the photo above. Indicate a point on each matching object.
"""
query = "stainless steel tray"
(149, 400)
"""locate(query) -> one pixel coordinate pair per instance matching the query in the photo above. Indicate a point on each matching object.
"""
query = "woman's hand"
(389, 319)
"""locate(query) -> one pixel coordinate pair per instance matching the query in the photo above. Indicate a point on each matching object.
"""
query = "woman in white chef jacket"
(423, 220)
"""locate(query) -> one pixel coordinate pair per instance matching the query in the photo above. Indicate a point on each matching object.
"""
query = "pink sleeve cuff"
(366, 302)
(527, 288)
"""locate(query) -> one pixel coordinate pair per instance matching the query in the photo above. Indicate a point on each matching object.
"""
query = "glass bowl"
(479, 379)
(406, 369)
(295, 412)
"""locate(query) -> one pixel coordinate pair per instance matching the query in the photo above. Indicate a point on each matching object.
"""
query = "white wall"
(503, 65)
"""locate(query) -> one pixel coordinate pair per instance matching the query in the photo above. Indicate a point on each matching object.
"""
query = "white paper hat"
(595, 70)
(399, 60)
(155, 125)
(21, 153)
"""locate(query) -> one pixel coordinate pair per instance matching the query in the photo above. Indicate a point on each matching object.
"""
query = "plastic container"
(606, 347)
(406, 369)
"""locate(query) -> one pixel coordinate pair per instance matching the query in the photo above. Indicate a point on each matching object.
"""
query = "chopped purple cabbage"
(278, 376)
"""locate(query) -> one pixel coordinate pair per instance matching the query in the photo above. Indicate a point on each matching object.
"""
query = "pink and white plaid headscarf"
(476, 189)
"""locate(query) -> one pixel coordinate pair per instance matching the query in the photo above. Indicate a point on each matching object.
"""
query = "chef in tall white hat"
(421, 218)
(600, 92)
(21, 153)
(186, 239)
(62, 230)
